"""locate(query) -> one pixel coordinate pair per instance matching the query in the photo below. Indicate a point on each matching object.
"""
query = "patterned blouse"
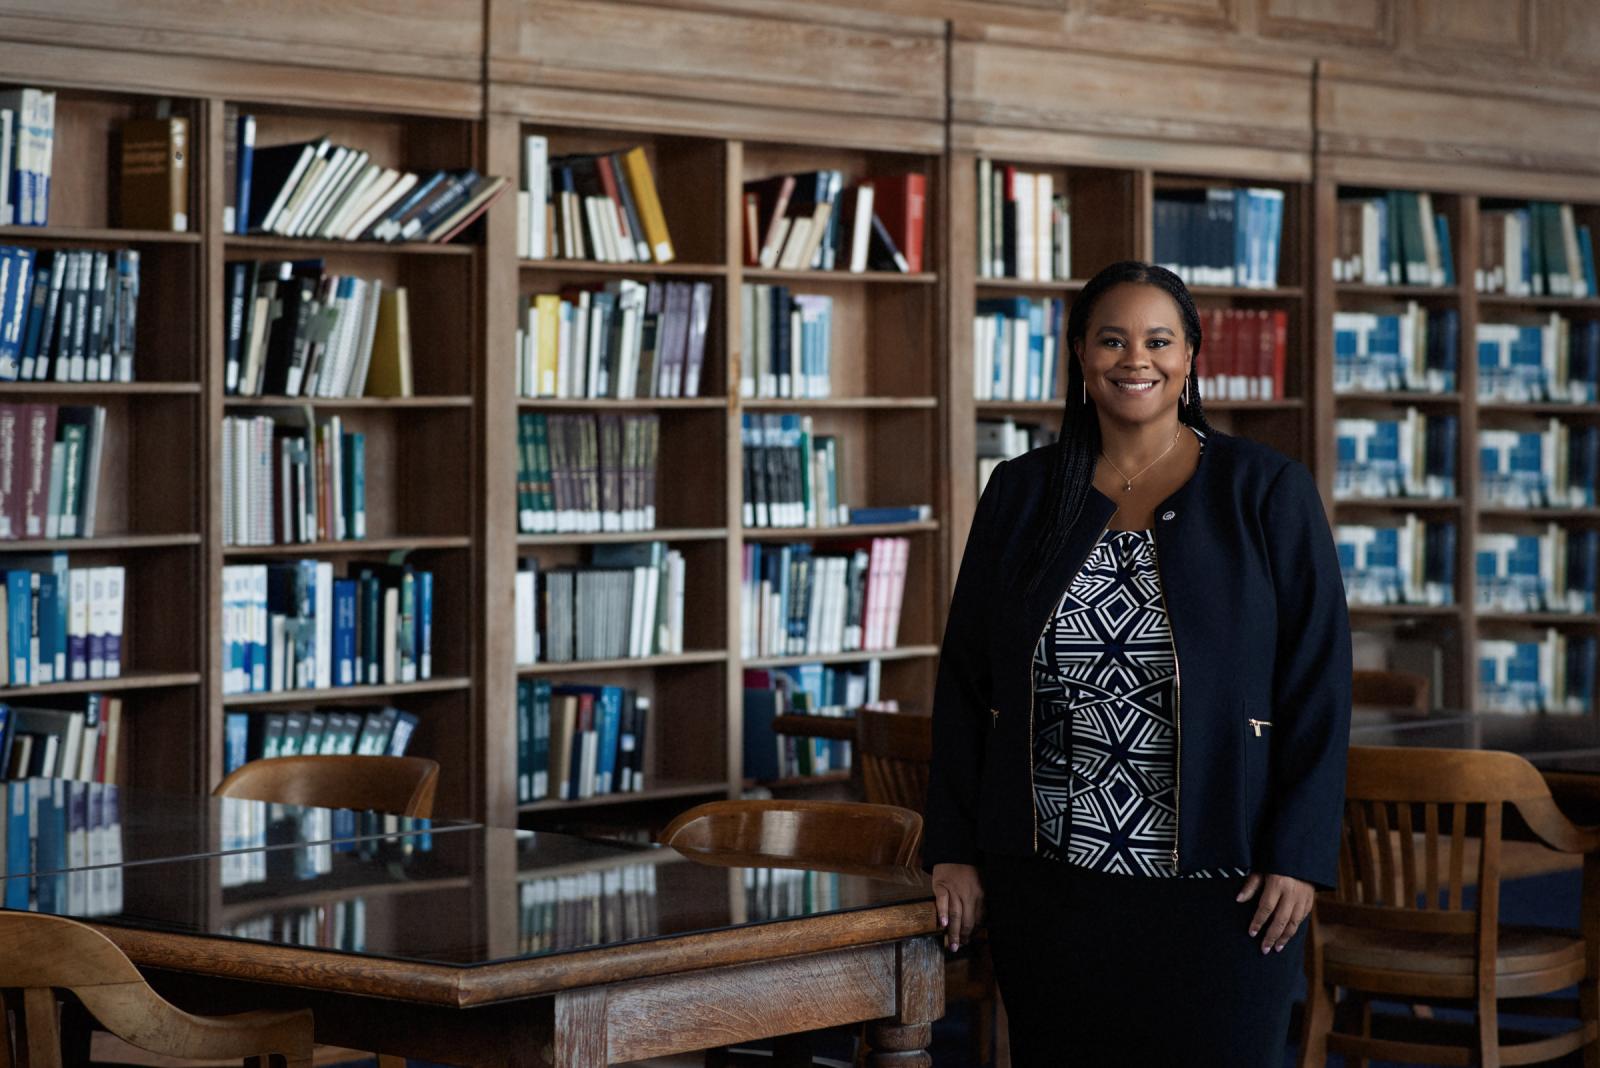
(1104, 691)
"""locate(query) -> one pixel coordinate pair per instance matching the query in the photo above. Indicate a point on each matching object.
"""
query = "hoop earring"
(1183, 398)
(1084, 382)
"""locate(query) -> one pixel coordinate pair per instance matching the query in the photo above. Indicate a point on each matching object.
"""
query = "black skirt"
(1100, 969)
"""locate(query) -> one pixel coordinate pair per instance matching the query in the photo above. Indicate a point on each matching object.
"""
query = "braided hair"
(1073, 457)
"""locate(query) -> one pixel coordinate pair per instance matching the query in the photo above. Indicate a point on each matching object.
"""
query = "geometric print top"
(1104, 692)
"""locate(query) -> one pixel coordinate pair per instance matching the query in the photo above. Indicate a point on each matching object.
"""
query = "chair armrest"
(838, 727)
(1554, 829)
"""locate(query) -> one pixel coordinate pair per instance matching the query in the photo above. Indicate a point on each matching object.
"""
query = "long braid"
(1073, 458)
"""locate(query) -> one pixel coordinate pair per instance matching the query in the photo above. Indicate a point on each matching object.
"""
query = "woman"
(1141, 713)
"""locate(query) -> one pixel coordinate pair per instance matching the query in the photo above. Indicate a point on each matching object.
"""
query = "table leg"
(899, 1045)
(580, 1038)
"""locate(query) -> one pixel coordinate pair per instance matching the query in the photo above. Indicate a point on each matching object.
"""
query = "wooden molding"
(1366, 22)
(1502, 27)
(1220, 14)
(1567, 33)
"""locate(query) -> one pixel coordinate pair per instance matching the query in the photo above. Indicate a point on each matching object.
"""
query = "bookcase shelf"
(1392, 292)
(103, 389)
(124, 683)
(627, 663)
(1249, 292)
(1003, 286)
(1452, 399)
(624, 270)
(446, 684)
(904, 652)
(101, 543)
(1570, 514)
(1541, 408)
(418, 543)
(666, 534)
(53, 235)
(1286, 404)
(1405, 611)
(301, 246)
(602, 404)
(852, 530)
(1537, 619)
(767, 274)
(336, 403)
(836, 403)
(1502, 300)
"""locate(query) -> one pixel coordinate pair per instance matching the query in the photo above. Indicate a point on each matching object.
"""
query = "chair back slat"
(1385, 845)
(1458, 853)
(895, 750)
(1407, 841)
(1430, 822)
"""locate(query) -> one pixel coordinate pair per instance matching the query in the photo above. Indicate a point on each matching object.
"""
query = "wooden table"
(501, 947)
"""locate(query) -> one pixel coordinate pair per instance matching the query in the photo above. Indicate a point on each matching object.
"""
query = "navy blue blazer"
(1262, 638)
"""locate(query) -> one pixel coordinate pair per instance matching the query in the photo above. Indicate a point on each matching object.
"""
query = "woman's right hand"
(958, 893)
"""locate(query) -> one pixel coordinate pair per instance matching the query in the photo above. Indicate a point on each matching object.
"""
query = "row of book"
(1554, 359)
(51, 458)
(68, 315)
(787, 343)
(805, 600)
(61, 841)
(561, 912)
(1554, 571)
(340, 925)
(998, 440)
(576, 742)
(1554, 466)
(262, 841)
(296, 330)
(1411, 349)
(1246, 354)
(598, 206)
(625, 602)
(1024, 224)
(296, 626)
(1412, 454)
(1411, 561)
(248, 736)
(1016, 348)
(1392, 237)
(587, 473)
(1220, 236)
(321, 189)
(63, 743)
(27, 148)
(283, 483)
(802, 690)
(791, 478)
(811, 221)
(60, 623)
(1534, 249)
(1552, 674)
(623, 339)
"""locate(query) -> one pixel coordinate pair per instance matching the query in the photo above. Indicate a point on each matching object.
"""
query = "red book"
(608, 182)
(901, 201)
(38, 426)
(1280, 353)
(1266, 340)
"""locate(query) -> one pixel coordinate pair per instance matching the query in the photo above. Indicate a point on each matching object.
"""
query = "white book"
(401, 186)
(1027, 231)
(672, 640)
(324, 625)
(323, 172)
(536, 179)
(358, 178)
(309, 154)
(367, 192)
(391, 632)
(525, 616)
(371, 292)
(115, 581)
(1044, 230)
(7, 140)
(342, 179)
(78, 623)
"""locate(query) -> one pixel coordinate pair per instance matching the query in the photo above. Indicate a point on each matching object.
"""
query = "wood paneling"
(1369, 22)
(1051, 101)
(1504, 27)
(773, 73)
(1455, 135)
(1219, 13)
(1568, 32)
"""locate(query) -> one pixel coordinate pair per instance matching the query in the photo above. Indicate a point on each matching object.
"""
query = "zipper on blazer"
(1177, 711)
(1257, 724)
(1033, 798)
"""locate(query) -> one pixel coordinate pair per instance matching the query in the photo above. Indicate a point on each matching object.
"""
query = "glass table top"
(475, 895)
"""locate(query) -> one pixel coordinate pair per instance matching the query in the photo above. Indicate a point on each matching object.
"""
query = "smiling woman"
(1160, 801)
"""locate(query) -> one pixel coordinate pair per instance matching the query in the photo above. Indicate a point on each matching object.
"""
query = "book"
(389, 373)
(155, 174)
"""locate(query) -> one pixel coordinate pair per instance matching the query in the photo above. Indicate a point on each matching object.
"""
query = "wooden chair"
(836, 835)
(41, 954)
(400, 785)
(1398, 927)
(894, 751)
(1389, 689)
(397, 784)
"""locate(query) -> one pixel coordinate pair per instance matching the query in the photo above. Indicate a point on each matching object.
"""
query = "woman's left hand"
(1285, 904)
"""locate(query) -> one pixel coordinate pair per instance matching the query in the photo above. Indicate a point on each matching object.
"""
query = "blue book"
(245, 134)
(1522, 573)
(608, 722)
(1527, 365)
(19, 602)
(1245, 226)
(19, 844)
(52, 628)
(35, 326)
(1526, 467)
(50, 799)
(11, 276)
(424, 624)
(1522, 677)
(761, 742)
(1383, 456)
(235, 740)
(355, 479)
(6, 733)
(1385, 241)
(1035, 350)
(345, 593)
(1446, 258)
(539, 760)
(911, 513)
(1586, 254)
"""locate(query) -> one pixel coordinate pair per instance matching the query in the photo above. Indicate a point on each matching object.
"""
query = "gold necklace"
(1127, 483)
